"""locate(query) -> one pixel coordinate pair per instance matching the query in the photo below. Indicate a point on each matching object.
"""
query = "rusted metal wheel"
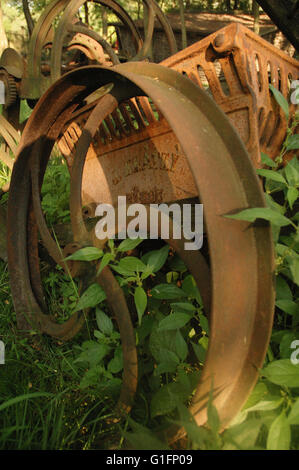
(83, 39)
(36, 83)
(241, 254)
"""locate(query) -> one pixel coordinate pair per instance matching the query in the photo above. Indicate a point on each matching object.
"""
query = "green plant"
(274, 403)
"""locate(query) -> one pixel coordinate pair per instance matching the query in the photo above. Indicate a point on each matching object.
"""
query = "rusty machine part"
(237, 66)
(84, 39)
(71, 35)
(161, 127)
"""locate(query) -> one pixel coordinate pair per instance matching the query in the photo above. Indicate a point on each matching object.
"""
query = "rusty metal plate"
(129, 164)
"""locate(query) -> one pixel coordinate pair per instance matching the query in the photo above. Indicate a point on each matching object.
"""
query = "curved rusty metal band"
(241, 255)
(64, 26)
(89, 33)
(153, 10)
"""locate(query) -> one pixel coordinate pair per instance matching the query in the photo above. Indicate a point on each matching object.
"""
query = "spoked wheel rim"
(241, 254)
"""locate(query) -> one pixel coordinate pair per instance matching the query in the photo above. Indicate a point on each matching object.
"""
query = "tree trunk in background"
(228, 5)
(183, 24)
(28, 17)
(86, 13)
(105, 22)
(285, 16)
(256, 16)
(3, 38)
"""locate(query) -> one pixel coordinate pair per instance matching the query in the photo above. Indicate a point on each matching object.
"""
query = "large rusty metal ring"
(241, 254)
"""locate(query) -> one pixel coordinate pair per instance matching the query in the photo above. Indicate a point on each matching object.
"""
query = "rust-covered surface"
(237, 66)
(241, 254)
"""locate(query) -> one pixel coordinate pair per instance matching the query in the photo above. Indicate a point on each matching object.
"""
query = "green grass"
(42, 405)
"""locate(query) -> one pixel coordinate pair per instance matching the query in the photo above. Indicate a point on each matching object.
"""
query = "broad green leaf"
(293, 142)
(157, 258)
(92, 377)
(261, 213)
(145, 328)
(174, 321)
(279, 436)
(259, 392)
(282, 372)
(191, 289)
(266, 405)
(280, 100)
(294, 268)
(163, 402)
(129, 244)
(267, 160)
(181, 346)
(25, 111)
(116, 363)
(132, 264)
(165, 355)
(104, 322)
(159, 341)
(242, 436)
(292, 196)
(204, 323)
(200, 351)
(89, 253)
(292, 171)
(167, 292)
(283, 291)
(92, 297)
(288, 306)
(140, 300)
(129, 275)
(183, 307)
(105, 261)
(176, 264)
(146, 273)
(271, 175)
(293, 417)
(277, 336)
(94, 354)
(167, 367)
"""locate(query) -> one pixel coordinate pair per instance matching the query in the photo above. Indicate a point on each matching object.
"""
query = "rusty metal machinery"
(29, 81)
(181, 140)
(71, 33)
(152, 134)
(238, 66)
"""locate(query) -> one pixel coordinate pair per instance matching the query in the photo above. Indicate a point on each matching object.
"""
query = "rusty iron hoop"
(226, 182)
